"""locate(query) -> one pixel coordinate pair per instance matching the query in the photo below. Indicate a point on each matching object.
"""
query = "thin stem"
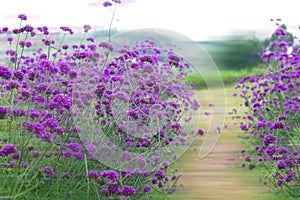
(18, 40)
(111, 21)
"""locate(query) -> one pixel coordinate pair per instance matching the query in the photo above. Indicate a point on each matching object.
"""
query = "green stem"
(18, 40)
(59, 46)
(111, 21)
(88, 181)
(22, 52)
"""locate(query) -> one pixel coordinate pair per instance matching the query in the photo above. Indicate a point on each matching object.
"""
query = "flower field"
(104, 119)
(272, 123)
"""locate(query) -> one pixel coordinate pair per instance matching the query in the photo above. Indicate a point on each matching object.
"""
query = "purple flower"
(160, 174)
(12, 163)
(67, 153)
(5, 72)
(289, 163)
(128, 190)
(47, 136)
(248, 158)
(18, 75)
(3, 112)
(278, 125)
(64, 67)
(280, 31)
(154, 180)
(10, 39)
(200, 131)
(38, 99)
(7, 149)
(87, 28)
(10, 52)
(12, 84)
(279, 182)
(289, 176)
(106, 45)
(48, 170)
(22, 17)
(65, 46)
(93, 174)
(16, 155)
(281, 165)
(107, 4)
(59, 130)
(51, 122)
(250, 117)
(5, 29)
(16, 31)
(91, 39)
(270, 150)
(269, 139)
(282, 150)
(79, 155)
(67, 29)
(110, 174)
(76, 129)
(24, 164)
(260, 159)
(18, 112)
(28, 28)
(73, 73)
(116, 1)
(74, 146)
(146, 188)
(34, 114)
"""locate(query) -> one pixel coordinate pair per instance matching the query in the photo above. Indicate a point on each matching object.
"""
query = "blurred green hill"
(234, 54)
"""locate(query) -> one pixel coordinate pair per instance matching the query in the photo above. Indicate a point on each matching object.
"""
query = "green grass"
(229, 76)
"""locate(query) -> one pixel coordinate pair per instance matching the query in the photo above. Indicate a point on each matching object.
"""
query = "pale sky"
(196, 19)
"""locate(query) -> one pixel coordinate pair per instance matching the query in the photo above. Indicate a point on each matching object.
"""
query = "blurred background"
(232, 31)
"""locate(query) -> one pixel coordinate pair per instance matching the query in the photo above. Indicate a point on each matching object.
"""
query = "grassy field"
(229, 76)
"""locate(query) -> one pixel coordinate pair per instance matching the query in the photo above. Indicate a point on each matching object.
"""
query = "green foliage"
(229, 77)
(233, 54)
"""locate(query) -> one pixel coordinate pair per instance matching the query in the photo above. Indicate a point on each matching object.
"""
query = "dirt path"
(219, 176)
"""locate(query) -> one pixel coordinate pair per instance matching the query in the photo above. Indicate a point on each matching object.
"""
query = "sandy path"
(219, 176)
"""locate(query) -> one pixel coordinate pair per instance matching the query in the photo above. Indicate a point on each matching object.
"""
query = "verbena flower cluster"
(272, 126)
(48, 91)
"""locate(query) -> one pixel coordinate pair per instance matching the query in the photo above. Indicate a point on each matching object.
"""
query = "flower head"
(5, 72)
(22, 17)
(106, 45)
(146, 188)
(87, 28)
(110, 174)
(7, 149)
(48, 170)
(67, 29)
(107, 4)
(128, 190)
